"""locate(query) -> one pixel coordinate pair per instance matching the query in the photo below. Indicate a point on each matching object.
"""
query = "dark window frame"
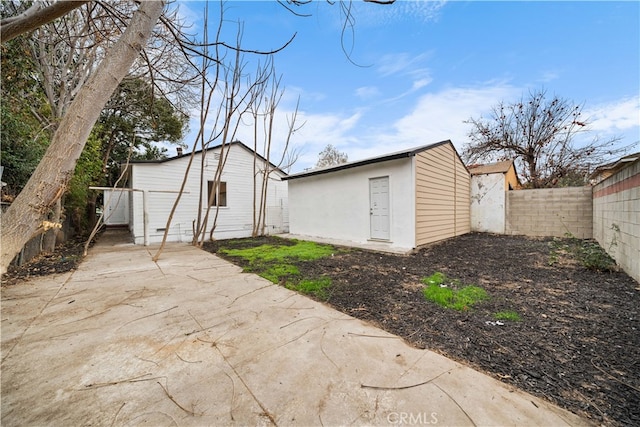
(220, 195)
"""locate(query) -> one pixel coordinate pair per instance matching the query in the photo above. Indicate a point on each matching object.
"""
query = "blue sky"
(425, 67)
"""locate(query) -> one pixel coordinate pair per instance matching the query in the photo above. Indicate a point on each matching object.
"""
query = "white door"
(379, 207)
(116, 207)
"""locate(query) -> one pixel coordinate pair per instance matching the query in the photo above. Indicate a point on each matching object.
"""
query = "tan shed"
(401, 200)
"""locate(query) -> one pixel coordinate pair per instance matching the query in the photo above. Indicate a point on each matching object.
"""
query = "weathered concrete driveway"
(192, 341)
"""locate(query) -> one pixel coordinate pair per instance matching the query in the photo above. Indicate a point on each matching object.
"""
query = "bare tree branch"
(35, 17)
(540, 134)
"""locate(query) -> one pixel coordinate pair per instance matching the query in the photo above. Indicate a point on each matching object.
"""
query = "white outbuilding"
(489, 185)
(153, 187)
(399, 201)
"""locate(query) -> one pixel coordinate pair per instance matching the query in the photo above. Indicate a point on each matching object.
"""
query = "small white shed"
(401, 200)
(489, 184)
(154, 186)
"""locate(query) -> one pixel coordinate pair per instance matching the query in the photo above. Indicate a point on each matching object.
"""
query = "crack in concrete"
(144, 317)
(19, 338)
(325, 353)
(457, 404)
(255, 398)
(249, 293)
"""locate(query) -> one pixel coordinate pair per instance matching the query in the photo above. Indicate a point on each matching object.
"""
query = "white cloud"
(548, 76)
(440, 115)
(621, 115)
(434, 117)
(420, 83)
(402, 63)
(322, 129)
(190, 13)
(367, 14)
(367, 92)
(431, 118)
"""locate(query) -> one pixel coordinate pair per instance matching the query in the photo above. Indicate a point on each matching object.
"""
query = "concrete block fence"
(550, 212)
(608, 212)
(616, 217)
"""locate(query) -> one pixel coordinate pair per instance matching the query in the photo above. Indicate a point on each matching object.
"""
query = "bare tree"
(47, 184)
(221, 83)
(330, 156)
(539, 133)
(263, 169)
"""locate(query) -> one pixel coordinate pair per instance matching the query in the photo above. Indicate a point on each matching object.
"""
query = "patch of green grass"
(278, 263)
(441, 296)
(316, 287)
(510, 315)
(456, 296)
(276, 273)
(436, 278)
(302, 250)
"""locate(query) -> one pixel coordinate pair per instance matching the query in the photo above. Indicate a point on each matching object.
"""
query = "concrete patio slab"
(372, 245)
(190, 340)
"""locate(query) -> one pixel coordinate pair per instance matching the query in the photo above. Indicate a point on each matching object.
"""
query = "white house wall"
(336, 205)
(488, 198)
(163, 180)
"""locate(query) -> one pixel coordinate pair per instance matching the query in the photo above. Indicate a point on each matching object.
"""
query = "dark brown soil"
(66, 257)
(578, 341)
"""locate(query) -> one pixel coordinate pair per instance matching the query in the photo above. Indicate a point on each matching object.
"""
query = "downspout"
(455, 194)
(145, 216)
(414, 198)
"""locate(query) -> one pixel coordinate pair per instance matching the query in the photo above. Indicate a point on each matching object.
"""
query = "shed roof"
(609, 169)
(386, 157)
(497, 167)
(229, 144)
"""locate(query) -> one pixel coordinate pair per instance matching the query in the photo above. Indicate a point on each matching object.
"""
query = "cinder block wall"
(550, 212)
(616, 217)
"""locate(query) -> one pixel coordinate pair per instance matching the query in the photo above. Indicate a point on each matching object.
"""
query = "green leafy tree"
(137, 117)
(23, 105)
(78, 199)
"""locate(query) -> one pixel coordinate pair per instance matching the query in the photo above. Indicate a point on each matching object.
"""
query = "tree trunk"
(48, 182)
(50, 237)
(34, 18)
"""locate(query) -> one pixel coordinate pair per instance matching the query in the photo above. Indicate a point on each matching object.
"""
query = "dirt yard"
(577, 343)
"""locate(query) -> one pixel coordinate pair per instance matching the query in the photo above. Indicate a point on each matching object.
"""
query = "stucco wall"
(616, 217)
(336, 205)
(550, 212)
(488, 203)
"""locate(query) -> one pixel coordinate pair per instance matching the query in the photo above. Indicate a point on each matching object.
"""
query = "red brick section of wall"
(625, 184)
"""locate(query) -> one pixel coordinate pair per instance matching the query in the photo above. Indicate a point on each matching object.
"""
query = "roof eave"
(350, 165)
